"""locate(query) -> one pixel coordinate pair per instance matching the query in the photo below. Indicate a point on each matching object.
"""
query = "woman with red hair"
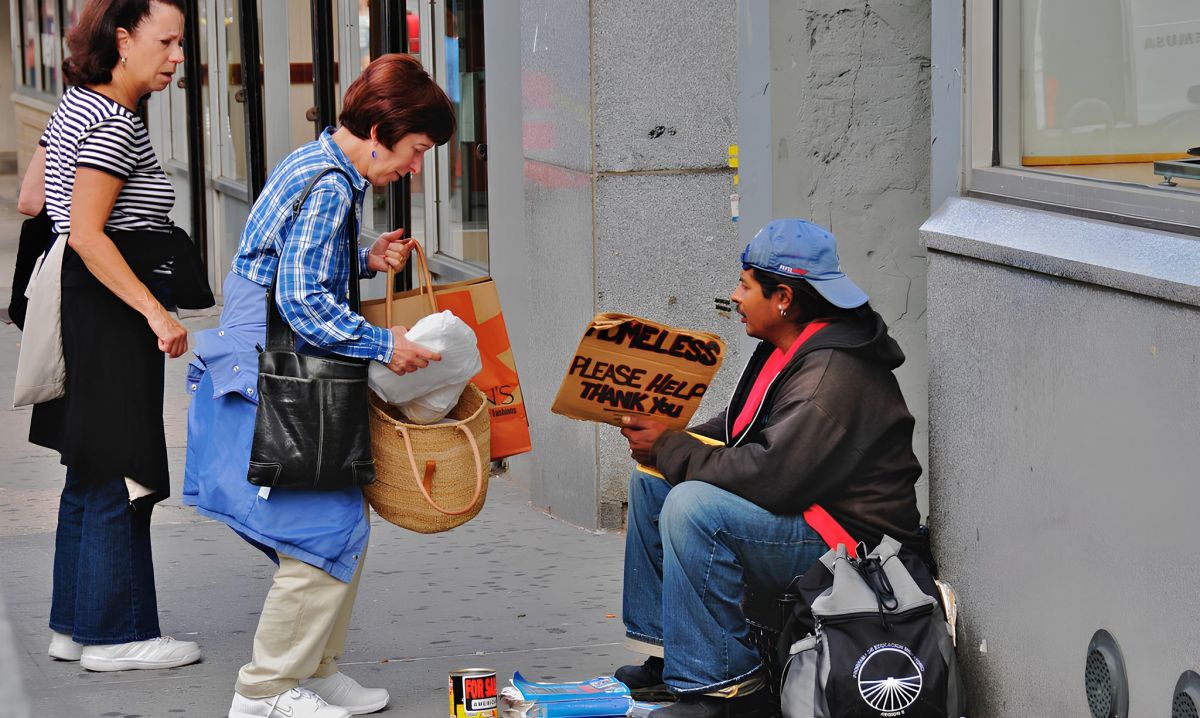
(392, 114)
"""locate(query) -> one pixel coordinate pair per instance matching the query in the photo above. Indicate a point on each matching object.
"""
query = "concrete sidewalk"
(512, 590)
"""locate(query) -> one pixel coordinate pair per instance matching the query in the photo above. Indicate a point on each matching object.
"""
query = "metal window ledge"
(1141, 261)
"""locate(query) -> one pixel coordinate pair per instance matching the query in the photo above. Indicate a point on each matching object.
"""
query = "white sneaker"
(342, 690)
(63, 647)
(162, 652)
(296, 703)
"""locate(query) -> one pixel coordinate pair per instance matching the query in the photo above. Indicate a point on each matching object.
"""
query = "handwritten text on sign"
(637, 366)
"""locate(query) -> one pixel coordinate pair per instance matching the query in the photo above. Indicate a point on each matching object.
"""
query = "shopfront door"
(309, 51)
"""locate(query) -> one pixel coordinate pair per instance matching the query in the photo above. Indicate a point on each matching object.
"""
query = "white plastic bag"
(427, 395)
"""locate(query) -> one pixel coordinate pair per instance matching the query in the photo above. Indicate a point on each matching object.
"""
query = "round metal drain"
(1104, 678)
(1187, 696)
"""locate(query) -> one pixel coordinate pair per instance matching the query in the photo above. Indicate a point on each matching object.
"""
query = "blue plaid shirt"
(314, 274)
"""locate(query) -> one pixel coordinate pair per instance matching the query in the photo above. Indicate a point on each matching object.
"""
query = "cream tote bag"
(41, 371)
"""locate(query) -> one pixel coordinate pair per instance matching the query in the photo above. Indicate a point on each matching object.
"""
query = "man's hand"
(409, 356)
(641, 433)
(390, 250)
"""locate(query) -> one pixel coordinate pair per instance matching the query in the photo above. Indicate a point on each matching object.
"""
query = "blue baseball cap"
(799, 248)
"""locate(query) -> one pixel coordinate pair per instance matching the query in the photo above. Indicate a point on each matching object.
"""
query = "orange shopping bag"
(476, 302)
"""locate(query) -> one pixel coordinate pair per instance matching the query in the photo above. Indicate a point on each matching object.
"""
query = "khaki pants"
(302, 630)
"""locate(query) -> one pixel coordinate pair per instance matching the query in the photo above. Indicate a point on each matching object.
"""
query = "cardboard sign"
(628, 365)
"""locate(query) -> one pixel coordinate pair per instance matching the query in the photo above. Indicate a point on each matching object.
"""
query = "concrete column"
(556, 96)
(627, 206)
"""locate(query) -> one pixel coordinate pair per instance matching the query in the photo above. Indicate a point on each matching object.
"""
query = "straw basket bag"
(420, 469)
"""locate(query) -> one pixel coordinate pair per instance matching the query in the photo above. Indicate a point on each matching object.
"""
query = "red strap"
(770, 369)
(833, 533)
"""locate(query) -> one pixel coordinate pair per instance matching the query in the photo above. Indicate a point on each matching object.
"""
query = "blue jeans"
(689, 553)
(103, 570)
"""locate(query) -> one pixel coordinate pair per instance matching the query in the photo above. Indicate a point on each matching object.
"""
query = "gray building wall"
(1063, 447)
(629, 109)
(850, 114)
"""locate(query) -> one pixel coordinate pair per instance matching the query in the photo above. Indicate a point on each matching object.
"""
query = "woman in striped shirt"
(108, 198)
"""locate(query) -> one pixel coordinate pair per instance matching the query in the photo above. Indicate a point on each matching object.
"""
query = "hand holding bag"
(311, 429)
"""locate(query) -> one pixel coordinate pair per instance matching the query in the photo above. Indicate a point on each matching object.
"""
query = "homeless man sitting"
(816, 437)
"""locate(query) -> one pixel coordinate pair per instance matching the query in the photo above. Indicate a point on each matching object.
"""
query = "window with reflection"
(462, 166)
(417, 225)
(51, 35)
(31, 67)
(1106, 87)
(233, 96)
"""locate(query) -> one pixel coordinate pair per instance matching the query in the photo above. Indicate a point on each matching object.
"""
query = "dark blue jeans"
(103, 570)
(689, 553)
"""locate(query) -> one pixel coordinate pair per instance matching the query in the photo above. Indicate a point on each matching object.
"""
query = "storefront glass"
(233, 97)
(1106, 86)
(51, 36)
(31, 53)
(462, 163)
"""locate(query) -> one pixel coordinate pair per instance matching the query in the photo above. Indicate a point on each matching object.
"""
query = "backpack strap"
(830, 531)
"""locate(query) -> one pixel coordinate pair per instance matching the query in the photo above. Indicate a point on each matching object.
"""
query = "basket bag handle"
(425, 282)
(431, 466)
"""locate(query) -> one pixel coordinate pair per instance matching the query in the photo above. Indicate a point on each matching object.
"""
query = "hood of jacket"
(866, 338)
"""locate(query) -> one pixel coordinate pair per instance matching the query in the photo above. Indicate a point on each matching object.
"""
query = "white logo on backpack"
(889, 678)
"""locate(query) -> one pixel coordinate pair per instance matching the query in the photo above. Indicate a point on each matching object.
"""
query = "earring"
(782, 311)
(372, 154)
(122, 59)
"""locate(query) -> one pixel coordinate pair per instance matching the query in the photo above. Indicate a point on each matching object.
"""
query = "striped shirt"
(91, 130)
(310, 252)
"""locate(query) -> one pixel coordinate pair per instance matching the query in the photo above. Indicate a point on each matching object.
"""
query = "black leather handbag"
(311, 430)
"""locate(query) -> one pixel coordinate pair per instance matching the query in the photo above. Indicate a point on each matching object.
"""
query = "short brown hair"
(397, 97)
(93, 41)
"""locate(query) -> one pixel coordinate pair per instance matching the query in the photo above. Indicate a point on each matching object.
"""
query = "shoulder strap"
(830, 531)
(280, 336)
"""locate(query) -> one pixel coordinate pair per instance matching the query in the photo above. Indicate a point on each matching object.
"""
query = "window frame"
(983, 175)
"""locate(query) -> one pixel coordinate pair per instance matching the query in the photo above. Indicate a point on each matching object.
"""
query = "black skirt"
(109, 424)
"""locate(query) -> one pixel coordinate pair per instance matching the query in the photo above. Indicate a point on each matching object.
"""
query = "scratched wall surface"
(851, 132)
(629, 110)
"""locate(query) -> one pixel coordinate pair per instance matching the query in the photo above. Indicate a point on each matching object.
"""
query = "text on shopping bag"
(629, 365)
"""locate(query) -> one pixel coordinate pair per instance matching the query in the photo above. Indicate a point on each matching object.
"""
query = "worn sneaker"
(162, 652)
(342, 690)
(63, 647)
(758, 704)
(296, 703)
(645, 681)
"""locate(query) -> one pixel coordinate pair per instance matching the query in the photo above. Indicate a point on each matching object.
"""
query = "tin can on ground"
(473, 693)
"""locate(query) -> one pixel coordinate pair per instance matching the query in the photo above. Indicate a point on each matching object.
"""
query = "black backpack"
(869, 639)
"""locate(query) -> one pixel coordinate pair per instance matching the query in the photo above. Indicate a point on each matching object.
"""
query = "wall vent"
(1187, 696)
(1104, 678)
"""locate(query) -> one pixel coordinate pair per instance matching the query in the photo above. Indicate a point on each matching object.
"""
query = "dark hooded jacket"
(833, 429)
